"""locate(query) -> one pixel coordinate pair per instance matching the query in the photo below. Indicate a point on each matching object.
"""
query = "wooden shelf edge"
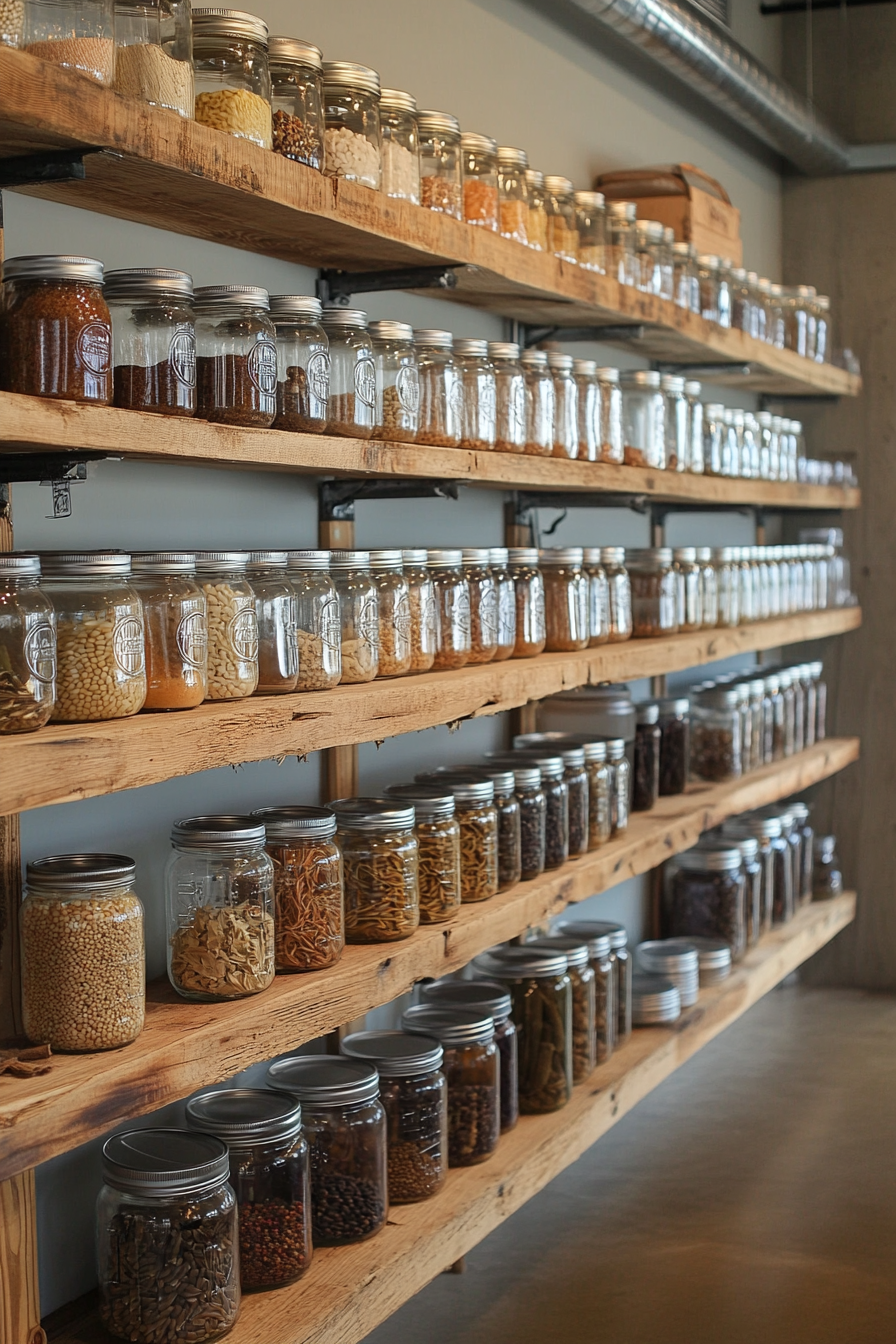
(351, 1290)
(29, 424)
(66, 762)
(187, 1046)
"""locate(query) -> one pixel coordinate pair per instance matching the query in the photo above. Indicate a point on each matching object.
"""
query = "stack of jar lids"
(654, 1000)
(714, 956)
(675, 959)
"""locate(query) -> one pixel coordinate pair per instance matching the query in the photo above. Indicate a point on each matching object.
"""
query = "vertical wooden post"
(19, 1298)
(340, 764)
(658, 685)
(522, 719)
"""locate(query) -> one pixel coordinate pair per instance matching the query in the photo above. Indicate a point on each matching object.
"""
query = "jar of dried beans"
(394, 613)
(490, 1000)
(319, 630)
(560, 208)
(441, 390)
(440, 160)
(424, 613)
(539, 404)
(176, 628)
(716, 735)
(591, 222)
(236, 356)
(309, 921)
(82, 947)
(380, 869)
(352, 399)
(566, 599)
(584, 373)
(167, 1239)
(566, 412)
(397, 381)
(510, 397)
(276, 613)
(303, 364)
(644, 419)
(55, 329)
(452, 594)
(358, 614)
(706, 896)
(612, 435)
(471, 1066)
(477, 815)
(352, 141)
(345, 1125)
(76, 36)
(268, 1157)
(598, 597)
(600, 793)
(498, 559)
(483, 604)
(528, 583)
(401, 152)
(220, 909)
(414, 1095)
(608, 943)
(154, 53)
(479, 170)
(297, 100)
(478, 394)
(654, 592)
(100, 635)
(537, 220)
(27, 647)
(438, 845)
(584, 998)
(513, 194)
(233, 80)
(153, 340)
(232, 624)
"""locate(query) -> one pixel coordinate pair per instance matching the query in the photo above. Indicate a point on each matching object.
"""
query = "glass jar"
(452, 596)
(646, 775)
(821, 702)
(644, 419)
(507, 806)
(11, 24)
(276, 613)
(358, 614)
(27, 647)
(537, 223)
(303, 364)
(344, 1123)
(582, 980)
(479, 171)
(401, 151)
(686, 279)
(539, 404)
(753, 875)
(785, 681)
(560, 212)
(176, 629)
(510, 397)
(676, 423)
(232, 624)
(827, 879)
(55, 329)
(716, 735)
(153, 340)
(154, 53)
(478, 394)
(471, 1065)
(591, 224)
(483, 605)
(441, 390)
(620, 591)
(608, 942)
(414, 1095)
(776, 715)
(566, 413)
(82, 949)
(528, 583)
(394, 613)
(318, 632)
(600, 794)
(533, 817)
(716, 454)
(352, 140)
(541, 993)
(309, 920)
(498, 559)
(598, 597)
(675, 733)
(513, 194)
(810, 704)
(440, 163)
(297, 100)
(380, 869)
(232, 74)
(741, 302)
(822, 328)
(648, 255)
(166, 1222)
(268, 1157)
(584, 373)
(489, 999)
(397, 382)
(236, 356)
(792, 833)
(424, 614)
(709, 589)
(556, 793)
(75, 36)
(438, 848)
(621, 256)
(220, 909)
(727, 585)
(688, 601)
(777, 866)
(566, 588)
(695, 459)
(654, 592)
(477, 815)
(708, 271)
(707, 897)
(576, 777)
(100, 636)
(352, 395)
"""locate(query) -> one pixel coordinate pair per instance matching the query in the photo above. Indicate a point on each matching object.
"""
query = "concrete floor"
(750, 1200)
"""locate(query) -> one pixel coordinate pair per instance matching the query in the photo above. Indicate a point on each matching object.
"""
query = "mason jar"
(827, 878)
(513, 194)
(583, 982)
(352, 141)
(303, 364)
(600, 794)
(310, 933)
(76, 36)
(220, 909)
(483, 604)
(397, 381)
(667, 270)
(707, 894)
(709, 588)
(232, 74)
(686, 278)
(822, 328)
(100, 635)
(598, 597)
(424, 613)
(452, 596)
(351, 408)
(478, 394)
(154, 53)
(620, 593)
(477, 816)
(696, 463)
(479, 171)
(654, 591)
(556, 794)
(401, 152)
(510, 397)
(498, 560)
(358, 614)
(776, 715)
(394, 612)
(268, 1157)
(507, 806)
(792, 833)
(708, 267)
(611, 436)
(490, 1000)
(688, 598)
(176, 629)
(528, 583)
(591, 223)
(438, 843)
(644, 419)
(166, 1207)
(318, 624)
(753, 870)
(471, 1066)
(297, 100)
(344, 1123)
(716, 735)
(675, 736)
(539, 404)
(716, 452)
(621, 255)
(537, 221)
(576, 777)
(612, 962)
(380, 869)
(622, 783)
(646, 774)
(27, 646)
(648, 255)
(276, 612)
(232, 624)
(236, 356)
(55, 329)
(440, 163)
(441, 390)
(676, 420)
(727, 585)
(566, 413)
(153, 340)
(560, 209)
(566, 588)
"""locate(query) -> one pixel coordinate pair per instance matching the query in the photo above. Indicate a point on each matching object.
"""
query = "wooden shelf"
(65, 762)
(186, 1046)
(350, 1290)
(32, 424)
(156, 168)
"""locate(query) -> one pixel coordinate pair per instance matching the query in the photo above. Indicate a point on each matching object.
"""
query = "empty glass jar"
(644, 419)
(539, 404)
(276, 616)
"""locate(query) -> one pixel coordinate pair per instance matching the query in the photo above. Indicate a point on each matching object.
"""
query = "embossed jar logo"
(263, 367)
(40, 653)
(365, 382)
(192, 638)
(243, 634)
(330, 625)
(94, 347)
(182, 356)
(128, 647)
(318, 373)
(368, 623)
(488, 615)
(407, 385)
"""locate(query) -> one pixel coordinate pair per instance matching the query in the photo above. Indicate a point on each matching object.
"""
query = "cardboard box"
(685, 199)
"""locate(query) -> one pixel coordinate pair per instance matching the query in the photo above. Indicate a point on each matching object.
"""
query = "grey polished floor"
(750, 1200)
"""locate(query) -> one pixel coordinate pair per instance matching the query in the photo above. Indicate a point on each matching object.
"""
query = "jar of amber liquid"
(175, 628)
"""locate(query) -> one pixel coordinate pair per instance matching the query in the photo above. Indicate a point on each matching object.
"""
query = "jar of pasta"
(452, 595)
(566, 599)
(232, 74)
(424, 614)
(621, 255)
(307, 886)
(621, 767)
(380, 869)
(318, 627)
(176, 629)
(358, 614)
(560, 208)
(498, 560)
(644, 419)
(277, 618)
(483, 604)
(539, 404)
(566, 412)
(297, 100)
(584, 372)
(537, 219)
(397, 382)
(303, 364)
(220, 909)
(401, 152)
(478, 394)
(352, 143)
(474, 802)
(490, 1000)
(510, 397)
(513, 194)
(533, 819)
(438, 844)
(394, 613)
(55, 329)
(583, 981)
(471, 1066)
(479, 165)
(440, 189)
(352, 399)
(236, 356)
(100, 635)
(153, 340)
(232, 624)
(591, 222)
(27, 647)
(612, 436)
(441, 391)
(598, 597)
(528, 584)
(620, 593)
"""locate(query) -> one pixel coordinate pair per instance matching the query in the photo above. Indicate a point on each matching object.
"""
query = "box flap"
(676, 179)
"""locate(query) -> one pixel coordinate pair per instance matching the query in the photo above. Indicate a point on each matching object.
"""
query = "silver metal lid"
(472, 143)
(799, 811)
(512, 158)
(687, 555)
(584, 368)
(601, 935)
(325, 1080)
(497, 556)
(244, 1116)
(474, 556)
(388, 559)
(308, 559)
(159, 1162)
(655, 1000)
(80, 872)
(395, 1054)
(612, 555)
(559, 363)
(349, 559)
(550, 763)
(651, 229)
(210, 297)
(624, 210)
(669, 954)
(349, 75)
(267, 559)
(217, 832)
(146, 282)
(431, 803)
(748, 846)
(45, 266)
(465, 786)
(661, 555)
(450, 1025)
(709, 261)
(752, 824)
(647, 712)
(510, 961)
(675, 704)
(503, 350)
(561, 555)
(396, 100)
(296, 822)
(576, 951)
(472, 346)
(640, 378)
(284, 306)
(224, 22)
(164, 562)
(534, 359)
(414, 555)
(84, 562)
(19, 566)
(437, 123)
(212, 562)
(692, 387)
(483, 996)
(344, 317)
(372, 814)
(558, 186)
(590, 200)
(712, 859)
(535, 179)
(504, 781)
(717, 697)
(523, 556)
(443, 558)
(608, 375)
(294, 49)
(391, 331)
(433, 336)
(713, 953)
(615, 748)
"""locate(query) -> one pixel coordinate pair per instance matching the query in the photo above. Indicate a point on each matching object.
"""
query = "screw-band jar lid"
(557, 185)
(590, 200)
(615, 748)
(502, 780)
(433, 336)
(391, 331)
(511, 962)
(799, 811)
(608, 375)
(503, 350)
(549, 762)
(308, 559)
(648, 378)
(283, 306)
(228, 22)
(584, 368)
(85, 562)
(769, 828)
(19, 566)
(497, 556)
(325, 1080)
(210, 297)
(474, 556)
(674, 705)
(217, 832)
(80, 872)
(561, 555)
(685, 555)
(387, 559)
(626, 211)
(535, 179)
(245, 1116)
(471, 143)
(534, 359)
(717, 859)
(452, 1026)
(523, 556)
(45, 266)
(372, 814)
(349, 559)
(396, 100)
(472, 346)
(558, 362)
(443, 558)
(212, 562)
(159, 1162)
(164, 562)
(294, 49)
(344, 317)
(349, 75)
(673, 383)
(647, 713)
(748, 846)
(437, 123)
(508, 157)
(466, 787)
(296, 822)
(482, 996)
(601, 935)
(431, 802)
(148, 282)
(268, 559)
(395, 1054)
(576, 951)
(612, 555)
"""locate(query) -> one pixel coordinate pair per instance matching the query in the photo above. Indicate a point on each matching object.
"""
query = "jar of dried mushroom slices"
(220, 908)
(310, 926)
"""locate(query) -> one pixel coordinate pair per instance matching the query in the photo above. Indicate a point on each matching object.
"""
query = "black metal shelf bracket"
(28, 170)
(336, 499)
(608, 332)
(59, 471)
(337, 287)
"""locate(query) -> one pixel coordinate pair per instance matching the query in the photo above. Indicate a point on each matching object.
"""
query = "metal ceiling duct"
(713, 65)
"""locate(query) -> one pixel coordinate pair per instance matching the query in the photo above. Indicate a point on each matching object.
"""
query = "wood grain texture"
(186, 1046)
(350, 1290)
(159, 169)
(19, 1293)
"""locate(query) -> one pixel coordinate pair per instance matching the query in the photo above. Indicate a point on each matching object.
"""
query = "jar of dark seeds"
(556, 793)
(167, 1239)
(153, 340)
(716, 735)
(584, 999)
(269, 1174)
(675, 734)
(345, 1125)
(55, 329)
(533, 817)
(471, 1067)
(507, 806)
(415, 1098)
(646, 777)
(491, 1000)
(706, 897)
(27, 647)
(303, 364)
(236, 356)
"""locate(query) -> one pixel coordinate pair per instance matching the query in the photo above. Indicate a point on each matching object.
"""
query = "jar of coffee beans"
(303, 364)
(471, 1068)
(491, 1000)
